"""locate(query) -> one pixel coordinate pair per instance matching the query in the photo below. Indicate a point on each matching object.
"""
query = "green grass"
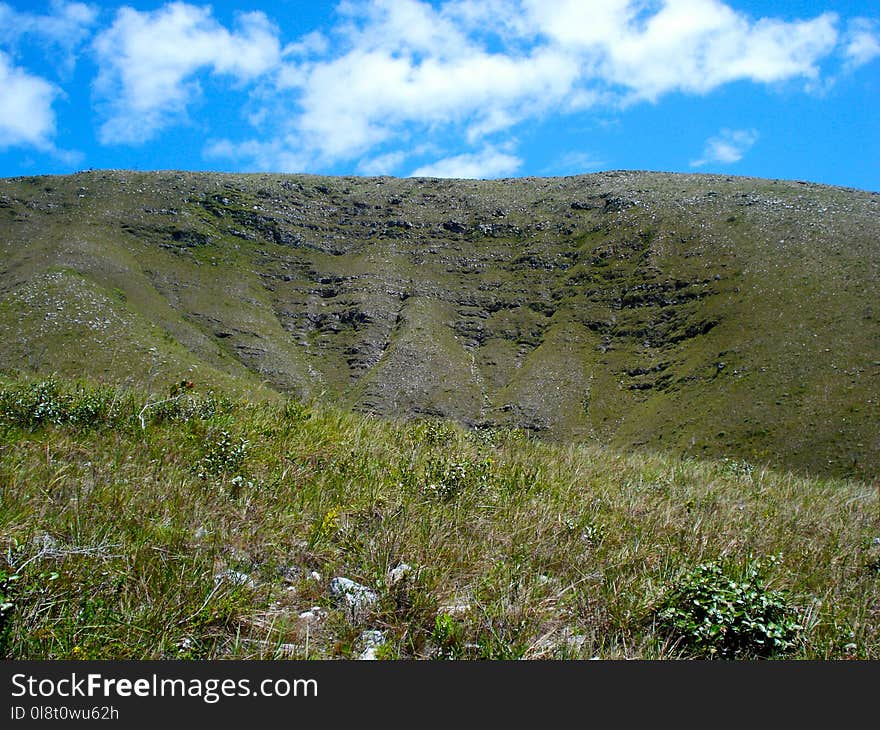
(116, 519)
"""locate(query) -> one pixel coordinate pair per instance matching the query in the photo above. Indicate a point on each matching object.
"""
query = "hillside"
(695, 314)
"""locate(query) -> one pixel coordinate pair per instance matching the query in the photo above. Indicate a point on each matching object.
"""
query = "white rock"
(313, 615)
(356, 599)
(236, 578)
(315, 576)
(45, 542)
(371, 641)
(399, 573)
(565, 640)
(288, 651)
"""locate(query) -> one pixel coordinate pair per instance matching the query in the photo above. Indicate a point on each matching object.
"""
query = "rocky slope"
(699, 314)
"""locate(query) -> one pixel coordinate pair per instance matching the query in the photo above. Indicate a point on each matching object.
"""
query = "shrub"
(718, 616)
(183, 405)
(447, 637)
(444, 480)
(34, 405)
(436, 432)
(494, 437)
(224, 455)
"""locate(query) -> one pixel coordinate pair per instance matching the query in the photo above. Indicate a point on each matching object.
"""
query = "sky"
(454, 88)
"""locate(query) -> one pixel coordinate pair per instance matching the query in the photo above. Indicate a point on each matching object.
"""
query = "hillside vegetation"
(709, 316)
(195, 525)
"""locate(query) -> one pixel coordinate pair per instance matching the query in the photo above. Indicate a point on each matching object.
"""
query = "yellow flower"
(330, 521)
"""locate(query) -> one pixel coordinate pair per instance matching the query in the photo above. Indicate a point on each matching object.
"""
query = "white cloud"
(862, 42)
(489, 163)
(728, 147)
(312, 43)
(575, 162)
(650, 49)
(148, 61)
(410, 67)
(385, 164)
(68, 23)
(399, 71)
(63, 30)
(384, 92)
(279, 155)
(26, 115)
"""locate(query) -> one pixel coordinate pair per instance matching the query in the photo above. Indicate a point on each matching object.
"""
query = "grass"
(211, 527)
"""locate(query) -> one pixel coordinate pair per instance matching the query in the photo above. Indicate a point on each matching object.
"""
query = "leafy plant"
(448, 637)
(184, 404)
(386, 652)
(716, 615)
(36, 404)
(224, 455)
(444, 480)
(436, 432)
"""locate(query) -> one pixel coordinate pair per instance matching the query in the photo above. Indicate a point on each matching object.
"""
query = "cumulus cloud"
(276, 155)
(394, 73)
(26, 115)
(385, 164)
(475, 70)
(148, 61)
(488, 163)
(862, 42)
(650, 49)
(67, 24)
(729, 146)
(383, 92)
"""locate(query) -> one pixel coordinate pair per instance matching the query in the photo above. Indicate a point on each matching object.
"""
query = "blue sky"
(462, 88)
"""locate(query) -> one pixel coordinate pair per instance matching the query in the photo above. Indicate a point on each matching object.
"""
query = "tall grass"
(211, 528)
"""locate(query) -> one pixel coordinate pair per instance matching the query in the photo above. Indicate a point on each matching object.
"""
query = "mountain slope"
(712, 315)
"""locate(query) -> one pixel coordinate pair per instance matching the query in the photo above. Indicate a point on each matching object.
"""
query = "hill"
(695, 314)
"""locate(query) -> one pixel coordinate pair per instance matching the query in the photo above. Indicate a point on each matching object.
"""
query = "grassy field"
(186, 524)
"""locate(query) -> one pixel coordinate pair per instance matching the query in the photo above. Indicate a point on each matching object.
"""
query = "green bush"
(183, 405)
(31, 405)
(447, 637)
(444, 480)
(494, 437)
(34, 405)
(224, 455)
(714, 615)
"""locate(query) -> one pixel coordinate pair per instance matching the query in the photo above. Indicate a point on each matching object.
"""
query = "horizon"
(511, 178)
(459, 89)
